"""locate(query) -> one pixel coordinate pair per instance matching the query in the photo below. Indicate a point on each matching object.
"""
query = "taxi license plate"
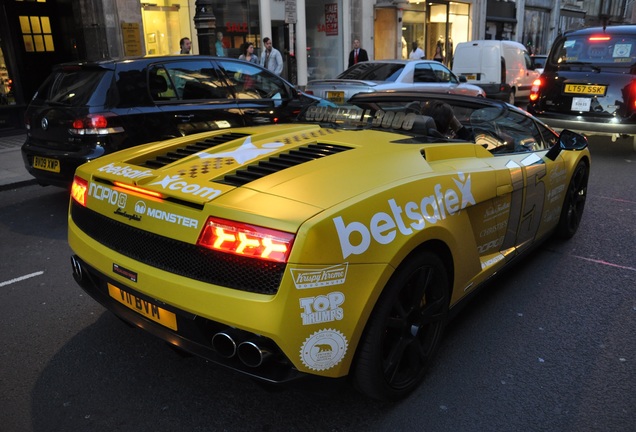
(581, 89)
(336, 96)
(46, 164)
(144, 307)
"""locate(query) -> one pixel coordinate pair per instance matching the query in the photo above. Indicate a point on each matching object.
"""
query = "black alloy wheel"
(405, 328)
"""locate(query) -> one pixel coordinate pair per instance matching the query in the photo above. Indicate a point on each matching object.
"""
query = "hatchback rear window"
(598, 49)
(72, 88)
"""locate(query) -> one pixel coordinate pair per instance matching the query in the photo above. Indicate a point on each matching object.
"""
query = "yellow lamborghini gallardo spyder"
(333, 247)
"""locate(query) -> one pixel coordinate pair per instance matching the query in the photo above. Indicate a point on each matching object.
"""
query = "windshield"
(373, 72)
(596, 49)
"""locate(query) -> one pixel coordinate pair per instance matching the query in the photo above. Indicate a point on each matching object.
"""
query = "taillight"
(534, 91)
(246, 240)
(96, 124)
(79, 188)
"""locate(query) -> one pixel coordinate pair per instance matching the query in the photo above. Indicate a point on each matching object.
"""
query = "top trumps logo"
(404, 219)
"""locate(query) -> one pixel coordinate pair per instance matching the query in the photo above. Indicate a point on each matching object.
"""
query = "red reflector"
(78, 190)
(246, 240)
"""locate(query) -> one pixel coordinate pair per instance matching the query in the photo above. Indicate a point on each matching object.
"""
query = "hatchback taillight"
(96, 124)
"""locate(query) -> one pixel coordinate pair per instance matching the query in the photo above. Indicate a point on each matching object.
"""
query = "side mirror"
(568, 140)
(462, 78)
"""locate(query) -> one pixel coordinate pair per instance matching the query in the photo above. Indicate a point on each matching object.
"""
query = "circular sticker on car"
(324, 349)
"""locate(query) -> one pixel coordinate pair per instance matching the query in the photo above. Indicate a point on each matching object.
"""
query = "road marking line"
(605, 263)
(21, 278)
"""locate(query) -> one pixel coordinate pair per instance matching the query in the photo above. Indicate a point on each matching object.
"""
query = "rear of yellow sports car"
(266, 249)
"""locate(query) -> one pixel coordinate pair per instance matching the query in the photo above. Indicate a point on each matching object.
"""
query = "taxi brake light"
(246, 240)
(534, 91)
(78, 190)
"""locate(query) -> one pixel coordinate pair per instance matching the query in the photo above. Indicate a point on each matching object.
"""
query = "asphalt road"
(550, 346)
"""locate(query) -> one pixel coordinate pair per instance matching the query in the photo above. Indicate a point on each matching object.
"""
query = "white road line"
(605, 263)
(21, 278)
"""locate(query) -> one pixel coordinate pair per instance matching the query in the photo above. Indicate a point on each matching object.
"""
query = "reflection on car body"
(331, 248)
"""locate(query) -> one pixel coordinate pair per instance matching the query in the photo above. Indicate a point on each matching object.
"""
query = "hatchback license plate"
(582, 89)
(46, 164)
(335, 96)
(144, 307)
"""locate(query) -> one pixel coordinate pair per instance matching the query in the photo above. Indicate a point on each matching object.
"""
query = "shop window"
(36, 33)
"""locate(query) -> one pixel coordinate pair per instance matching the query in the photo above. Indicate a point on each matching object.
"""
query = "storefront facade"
(315, 36)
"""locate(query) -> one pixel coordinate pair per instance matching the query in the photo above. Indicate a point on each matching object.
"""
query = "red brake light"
(599, 38)
(137, 189)
(534, 91)
(79, 188)
(246, 240)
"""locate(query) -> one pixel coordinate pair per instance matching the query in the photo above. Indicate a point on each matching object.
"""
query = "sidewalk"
(12, 171)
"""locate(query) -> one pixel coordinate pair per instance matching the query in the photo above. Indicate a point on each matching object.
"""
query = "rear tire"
(572, 210)
(404, 330)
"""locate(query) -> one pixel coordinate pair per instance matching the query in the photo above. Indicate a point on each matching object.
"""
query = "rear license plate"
(46, 164)
(144, 307)
(336, 96)
(598, 90)
(470, 76)
(581, 104)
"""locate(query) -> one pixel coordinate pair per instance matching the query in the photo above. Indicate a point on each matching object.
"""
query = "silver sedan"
(382, 75)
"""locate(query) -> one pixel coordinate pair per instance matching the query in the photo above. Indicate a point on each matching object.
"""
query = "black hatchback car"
(588, 83)
(87, 109)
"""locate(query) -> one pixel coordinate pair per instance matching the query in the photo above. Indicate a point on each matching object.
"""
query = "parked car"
(502, 68)
(538, 62)
(336, 247)
(588, 83)
(377, 75)
(85, 110)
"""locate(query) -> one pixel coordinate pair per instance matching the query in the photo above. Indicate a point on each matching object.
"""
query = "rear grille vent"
(184, 259)
(280, 162)
(190, 149)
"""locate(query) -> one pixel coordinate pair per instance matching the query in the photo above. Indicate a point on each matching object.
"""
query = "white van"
(503, 69)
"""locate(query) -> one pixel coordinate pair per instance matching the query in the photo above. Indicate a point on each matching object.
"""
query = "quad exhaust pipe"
(250, 352)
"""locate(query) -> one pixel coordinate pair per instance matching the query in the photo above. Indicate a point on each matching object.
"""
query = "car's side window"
(160, 85)
(252, 82)
(441, 73)
(423, 74)
(510, 132)
(195, 80)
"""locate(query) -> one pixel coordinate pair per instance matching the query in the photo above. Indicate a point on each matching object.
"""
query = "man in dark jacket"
(357, 54)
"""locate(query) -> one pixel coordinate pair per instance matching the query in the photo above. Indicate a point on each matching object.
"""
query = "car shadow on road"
(113, 377)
